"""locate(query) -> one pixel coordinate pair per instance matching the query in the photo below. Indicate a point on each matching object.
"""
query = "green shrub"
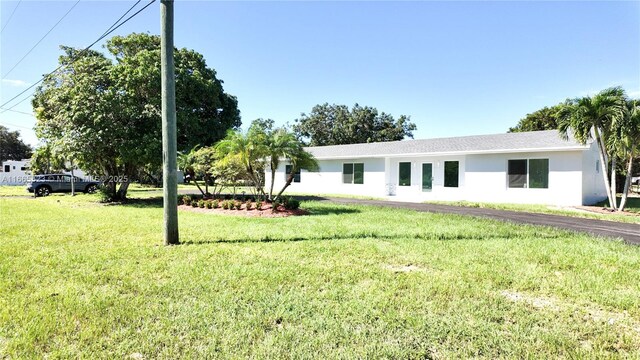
(201, 204)
(214, 204)
(232, 205)
(225, 205)
(194, 203)
(258, 205)
(208, 204)
(238, 205)
(186, 200)
(292, 204)
(247, 205)
(105, 196)
(275, 205)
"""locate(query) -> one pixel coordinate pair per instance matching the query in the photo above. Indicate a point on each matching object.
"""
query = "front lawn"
(632, 208)
(83, 280)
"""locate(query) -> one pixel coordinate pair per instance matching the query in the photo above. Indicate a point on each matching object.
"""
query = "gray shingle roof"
(510, 142)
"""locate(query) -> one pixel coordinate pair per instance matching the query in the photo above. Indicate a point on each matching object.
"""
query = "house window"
(7, 168)
(517, 173)
(23, 168)
(534, 172)
(404, 174)
(353, 173)
(451, 173)
(296, 176)
(539, 173)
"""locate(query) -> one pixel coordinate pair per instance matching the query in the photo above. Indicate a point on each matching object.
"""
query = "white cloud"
(15, 83)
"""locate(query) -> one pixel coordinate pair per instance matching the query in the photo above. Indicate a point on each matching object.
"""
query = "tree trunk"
(273, 178)
(286, 185)
(122, 191)
(193, 177)
(111, 190)
(627, 181)
(614, 204)
(73, 182)
(605, 165)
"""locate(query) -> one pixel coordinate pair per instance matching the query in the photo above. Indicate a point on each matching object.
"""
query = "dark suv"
(43, 185)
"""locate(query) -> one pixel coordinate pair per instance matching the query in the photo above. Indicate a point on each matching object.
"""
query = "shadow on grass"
(154, 202)
(375, 236)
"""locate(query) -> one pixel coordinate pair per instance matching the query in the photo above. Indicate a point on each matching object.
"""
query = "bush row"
(230, 204)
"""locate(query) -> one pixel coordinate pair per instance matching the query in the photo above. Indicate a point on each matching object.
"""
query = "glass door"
(427, 176)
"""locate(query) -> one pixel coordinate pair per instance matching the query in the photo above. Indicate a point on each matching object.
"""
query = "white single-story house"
(536, 167)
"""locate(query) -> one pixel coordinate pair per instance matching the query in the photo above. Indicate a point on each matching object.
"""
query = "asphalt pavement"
(630, 233)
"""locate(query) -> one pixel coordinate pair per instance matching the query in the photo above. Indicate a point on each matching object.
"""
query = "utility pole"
(169, 137)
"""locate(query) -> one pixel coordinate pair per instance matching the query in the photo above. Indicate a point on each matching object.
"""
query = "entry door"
(427, 176)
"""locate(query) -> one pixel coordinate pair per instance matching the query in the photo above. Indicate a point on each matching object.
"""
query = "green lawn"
(632, 206)
(83, 280)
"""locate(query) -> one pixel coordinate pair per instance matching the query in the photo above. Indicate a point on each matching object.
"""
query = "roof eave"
(454, 153)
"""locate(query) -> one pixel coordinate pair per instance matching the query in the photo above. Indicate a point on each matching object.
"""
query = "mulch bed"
(265, 211)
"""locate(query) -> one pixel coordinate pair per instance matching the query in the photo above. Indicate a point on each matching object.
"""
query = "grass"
(633, 206)
(83, 280)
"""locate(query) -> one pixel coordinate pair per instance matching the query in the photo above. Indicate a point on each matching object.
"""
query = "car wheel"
(43, 191)
(91, 189)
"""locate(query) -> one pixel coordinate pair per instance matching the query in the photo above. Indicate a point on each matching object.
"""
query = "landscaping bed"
(249, 207)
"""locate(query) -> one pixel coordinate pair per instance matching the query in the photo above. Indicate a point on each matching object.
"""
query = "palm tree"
(592, 117)
(281, 144)
(250, 148)
(299, 159)
(187, 162)
(626, 140)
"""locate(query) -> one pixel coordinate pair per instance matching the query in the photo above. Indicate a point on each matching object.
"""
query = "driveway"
(628, 232)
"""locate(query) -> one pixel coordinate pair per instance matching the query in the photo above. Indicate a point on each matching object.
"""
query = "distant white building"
(18, 172)
(15, 172)
(530, 167)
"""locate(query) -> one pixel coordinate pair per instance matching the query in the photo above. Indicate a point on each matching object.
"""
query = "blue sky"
(457, 68)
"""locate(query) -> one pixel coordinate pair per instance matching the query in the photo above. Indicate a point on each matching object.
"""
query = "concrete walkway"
(629, 232)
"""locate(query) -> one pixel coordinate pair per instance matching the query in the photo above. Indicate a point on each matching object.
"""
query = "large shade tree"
(337, 124)
(11, 146)
(107, 112)
(543, 119)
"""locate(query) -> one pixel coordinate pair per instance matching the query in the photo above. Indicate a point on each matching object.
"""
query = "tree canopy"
(106, 114)
(11, 146)
(337, 124)
(543, 119)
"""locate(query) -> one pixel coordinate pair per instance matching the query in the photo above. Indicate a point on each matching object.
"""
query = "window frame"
(296, 177)
(444, 171)
(400, 163)
(528, 173)
(353, 165)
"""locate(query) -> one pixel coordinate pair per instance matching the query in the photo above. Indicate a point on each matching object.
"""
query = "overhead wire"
(111, 29)
(10, 16)
(39, 41)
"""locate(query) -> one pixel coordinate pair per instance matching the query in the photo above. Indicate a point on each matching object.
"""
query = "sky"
(457, 68)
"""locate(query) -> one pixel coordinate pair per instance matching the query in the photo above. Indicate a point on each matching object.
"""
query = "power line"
(14, 125)
(112, 27)
(20, 112)
(39, 41)
(10, 16)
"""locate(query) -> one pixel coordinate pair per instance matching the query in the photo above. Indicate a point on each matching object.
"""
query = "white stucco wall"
(487, 179)
(328, 180)
(593, 189)
(482, 178)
